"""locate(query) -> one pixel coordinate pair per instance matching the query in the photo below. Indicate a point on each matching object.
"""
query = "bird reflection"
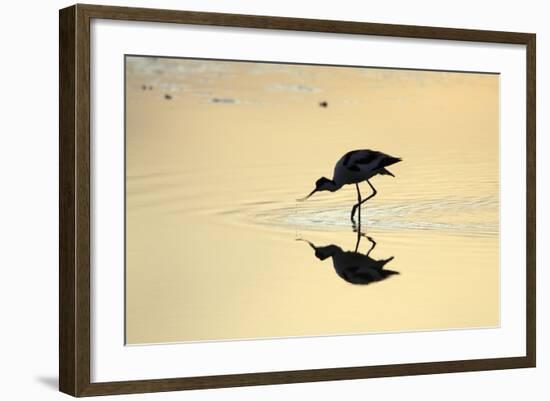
(354, 266)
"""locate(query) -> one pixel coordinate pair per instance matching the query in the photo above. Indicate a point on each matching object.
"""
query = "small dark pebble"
(323, 104)
(167, 96)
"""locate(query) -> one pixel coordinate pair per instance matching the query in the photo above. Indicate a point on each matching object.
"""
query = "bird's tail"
(388, 161)
(391, 272)
(383, 171)
(385, 162)
(385, 261)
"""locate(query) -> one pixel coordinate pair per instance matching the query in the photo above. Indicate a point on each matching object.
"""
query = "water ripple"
(449, 215)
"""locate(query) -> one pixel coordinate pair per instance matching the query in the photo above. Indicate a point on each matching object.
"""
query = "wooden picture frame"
(74, 200)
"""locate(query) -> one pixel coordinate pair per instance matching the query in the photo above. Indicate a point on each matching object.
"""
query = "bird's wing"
(357, 160)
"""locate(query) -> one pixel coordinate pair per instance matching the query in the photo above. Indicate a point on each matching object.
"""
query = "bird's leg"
(374, 192)
(361, 201)
(358, 239)
(359, 234)
(373, 245)
(356, 206)
(362, 234)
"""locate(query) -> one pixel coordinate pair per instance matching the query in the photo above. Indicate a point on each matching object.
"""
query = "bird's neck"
(332, 186)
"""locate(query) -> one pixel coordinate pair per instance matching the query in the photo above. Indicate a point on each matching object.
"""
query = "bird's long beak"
(305, 240)
(307, 197)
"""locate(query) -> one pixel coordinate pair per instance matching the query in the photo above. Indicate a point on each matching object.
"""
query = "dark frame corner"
(74, 199)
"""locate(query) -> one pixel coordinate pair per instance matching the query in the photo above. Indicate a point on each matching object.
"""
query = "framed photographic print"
(250, 200)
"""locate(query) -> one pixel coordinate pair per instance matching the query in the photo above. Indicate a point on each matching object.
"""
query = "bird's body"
(353, 266)
(360, 165)
(355, 167)
(357, 268)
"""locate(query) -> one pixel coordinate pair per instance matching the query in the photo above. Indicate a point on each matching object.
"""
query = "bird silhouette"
(355, 167)
(353, 266)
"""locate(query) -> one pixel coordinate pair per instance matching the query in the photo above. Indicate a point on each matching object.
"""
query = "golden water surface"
(217, 245)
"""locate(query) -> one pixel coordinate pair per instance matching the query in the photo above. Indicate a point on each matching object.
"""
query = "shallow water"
(214, 228)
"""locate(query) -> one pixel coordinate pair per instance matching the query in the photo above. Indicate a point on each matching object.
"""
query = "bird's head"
(323, 252)
(322, 184)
